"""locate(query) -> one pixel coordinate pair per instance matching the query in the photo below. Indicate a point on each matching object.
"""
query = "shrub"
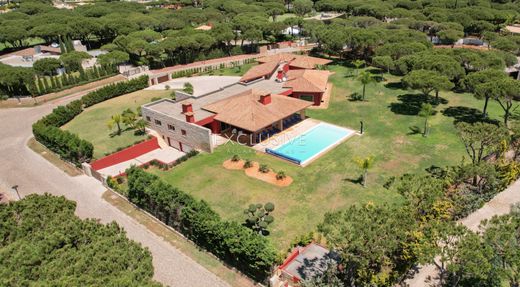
(248, 163)
(263, 168)
(281, 175)
(68, 145)
(114, 90)
(235, 158)
(237, 245)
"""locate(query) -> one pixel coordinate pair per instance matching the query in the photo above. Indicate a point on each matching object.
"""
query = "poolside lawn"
(91, 125)
(332, 181)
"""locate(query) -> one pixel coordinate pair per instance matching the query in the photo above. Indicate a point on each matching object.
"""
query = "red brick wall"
(126, 154)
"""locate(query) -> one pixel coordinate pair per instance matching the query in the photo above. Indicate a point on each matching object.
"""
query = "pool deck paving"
(297, 130)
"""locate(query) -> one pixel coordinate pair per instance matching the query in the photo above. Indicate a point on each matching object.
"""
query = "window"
(148, 118)
(183, 132)
(158, 122)
(309, 98)
(171, 127)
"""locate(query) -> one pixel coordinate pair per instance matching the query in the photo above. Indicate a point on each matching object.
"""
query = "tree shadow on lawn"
(115, 133)
(414, 130)
(467, 115)
(395, 86)
(357, 181)
(410, 104)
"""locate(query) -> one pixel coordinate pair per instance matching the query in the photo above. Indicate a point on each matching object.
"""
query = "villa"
(303, 263)
(266, 100)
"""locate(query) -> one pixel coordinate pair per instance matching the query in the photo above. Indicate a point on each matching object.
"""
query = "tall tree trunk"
(365, 175)
(425, 133)
(364, 87)
(484, 111)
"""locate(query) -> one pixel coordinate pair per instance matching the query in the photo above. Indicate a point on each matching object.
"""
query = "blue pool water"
(308, 145)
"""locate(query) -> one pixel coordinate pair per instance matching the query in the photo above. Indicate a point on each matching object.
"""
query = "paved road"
(21, 166)
(499, 205)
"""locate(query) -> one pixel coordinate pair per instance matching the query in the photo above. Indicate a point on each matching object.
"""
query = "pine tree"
(41, 88)
(68, 44)
(82, 75)
(95, 70)
(62, 47)
(46, 85)
(65, 80)
(54, 84)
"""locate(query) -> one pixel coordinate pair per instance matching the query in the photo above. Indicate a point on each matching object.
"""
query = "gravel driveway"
(33, 174)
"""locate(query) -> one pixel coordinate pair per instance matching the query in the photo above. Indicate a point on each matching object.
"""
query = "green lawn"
(236, 71)
(91, 125)
(330, 182)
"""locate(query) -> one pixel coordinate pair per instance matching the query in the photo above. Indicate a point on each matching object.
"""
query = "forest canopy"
(42, 242)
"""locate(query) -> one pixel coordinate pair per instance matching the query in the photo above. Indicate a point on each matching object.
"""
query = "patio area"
(202, 85)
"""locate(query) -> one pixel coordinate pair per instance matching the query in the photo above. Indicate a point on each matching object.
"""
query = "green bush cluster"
(235, 244)
(66, 144)
(54, 84)
(114, 90)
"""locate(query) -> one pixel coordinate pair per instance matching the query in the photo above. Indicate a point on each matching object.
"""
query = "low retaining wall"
(126, 154)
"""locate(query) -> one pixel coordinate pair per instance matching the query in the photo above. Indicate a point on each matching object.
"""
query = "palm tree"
(115, 120)
(365, 164)
(358, 64)
(129, 118)
(365, 78)
(426, 112)
(140, 125)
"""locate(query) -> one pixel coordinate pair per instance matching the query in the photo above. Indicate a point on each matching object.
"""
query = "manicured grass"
(91, 125)
(236, 71)
(331, 182)
(282, 17)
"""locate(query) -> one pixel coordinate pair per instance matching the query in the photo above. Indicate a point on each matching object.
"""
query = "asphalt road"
(33, 174)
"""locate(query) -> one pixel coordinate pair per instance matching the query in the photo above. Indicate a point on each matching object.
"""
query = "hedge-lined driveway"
(33, 174)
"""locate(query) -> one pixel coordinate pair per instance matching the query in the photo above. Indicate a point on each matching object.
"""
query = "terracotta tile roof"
(312, 81)
(31, 51)
(513, 29)
(259, 71)
(204, 27)
(246, 112)
(298, 61)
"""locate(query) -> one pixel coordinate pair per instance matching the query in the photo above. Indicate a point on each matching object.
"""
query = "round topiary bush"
(235, 158)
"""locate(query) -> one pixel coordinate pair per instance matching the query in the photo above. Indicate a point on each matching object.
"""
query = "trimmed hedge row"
(114, 90)
(68, 145)
(235, 244)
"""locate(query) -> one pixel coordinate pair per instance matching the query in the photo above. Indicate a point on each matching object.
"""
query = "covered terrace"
(254, 115)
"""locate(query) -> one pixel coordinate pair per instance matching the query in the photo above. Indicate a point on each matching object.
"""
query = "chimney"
(187, 108)
(190, 117)
(265, 99)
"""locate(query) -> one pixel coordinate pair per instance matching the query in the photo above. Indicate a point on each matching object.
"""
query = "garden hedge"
(114, 90)
(235, 244)
(66, 144)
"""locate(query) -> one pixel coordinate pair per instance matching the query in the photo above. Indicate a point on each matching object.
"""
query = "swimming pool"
(311, 144)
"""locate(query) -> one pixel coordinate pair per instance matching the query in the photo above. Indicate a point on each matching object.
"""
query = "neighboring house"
(303, 263)
(27, 57)
(204, 27)
(267, 99)
(514, 29)
(293, 30)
